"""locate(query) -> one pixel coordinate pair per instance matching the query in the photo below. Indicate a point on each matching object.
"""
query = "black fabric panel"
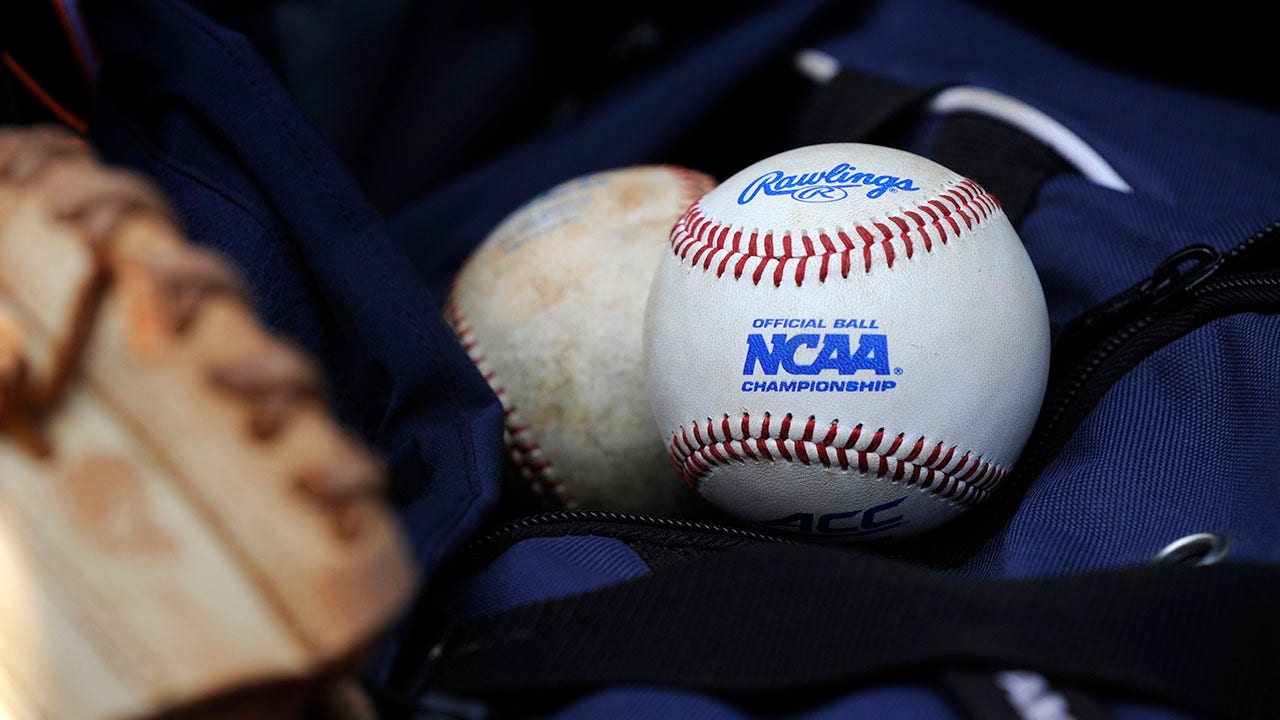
(776, 618)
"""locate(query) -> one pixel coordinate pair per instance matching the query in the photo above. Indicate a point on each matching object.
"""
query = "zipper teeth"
(1253, 240)
(1081, 376)
(624, 519)
(1240, 281)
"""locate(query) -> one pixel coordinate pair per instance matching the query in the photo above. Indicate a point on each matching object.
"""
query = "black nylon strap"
(856, 108)
(766, 619)
(1004, 160)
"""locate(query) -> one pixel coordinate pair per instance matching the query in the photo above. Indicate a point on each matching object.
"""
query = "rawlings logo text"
(824, 186)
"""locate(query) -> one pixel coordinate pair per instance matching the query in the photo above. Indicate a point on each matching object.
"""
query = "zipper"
(1182, 273)
(1085, 346)
(1081, 347)
(1086, 343)
(560, 517)
(1097, 335)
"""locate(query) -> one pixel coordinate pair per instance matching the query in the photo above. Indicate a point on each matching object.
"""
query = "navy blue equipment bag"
(1128, 569)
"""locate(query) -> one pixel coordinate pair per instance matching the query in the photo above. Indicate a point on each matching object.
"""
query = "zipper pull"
(1181, 272)
(1170, 279)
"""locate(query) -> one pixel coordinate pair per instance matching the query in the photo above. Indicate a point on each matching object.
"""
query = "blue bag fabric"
(196, 108)
(1184, 442)
(1201, 171)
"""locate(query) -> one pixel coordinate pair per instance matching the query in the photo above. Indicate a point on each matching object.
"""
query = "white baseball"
(847, 341)
(551, 307)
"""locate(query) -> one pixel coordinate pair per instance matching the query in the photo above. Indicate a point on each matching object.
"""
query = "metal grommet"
(1197, 549)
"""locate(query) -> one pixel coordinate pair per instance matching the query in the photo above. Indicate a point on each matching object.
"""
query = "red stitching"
(965, 481)
(695, 183)
(522, 448)
(714, 247)
(524, 451)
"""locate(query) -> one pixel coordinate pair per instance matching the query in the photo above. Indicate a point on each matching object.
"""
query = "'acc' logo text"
(842, 524)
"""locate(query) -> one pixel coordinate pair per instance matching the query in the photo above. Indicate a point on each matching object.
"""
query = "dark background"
(441, 86)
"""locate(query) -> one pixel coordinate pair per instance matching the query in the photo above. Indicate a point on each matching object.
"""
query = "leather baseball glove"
(183, 528)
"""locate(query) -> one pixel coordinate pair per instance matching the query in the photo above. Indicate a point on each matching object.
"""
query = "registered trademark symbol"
(897, 371)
